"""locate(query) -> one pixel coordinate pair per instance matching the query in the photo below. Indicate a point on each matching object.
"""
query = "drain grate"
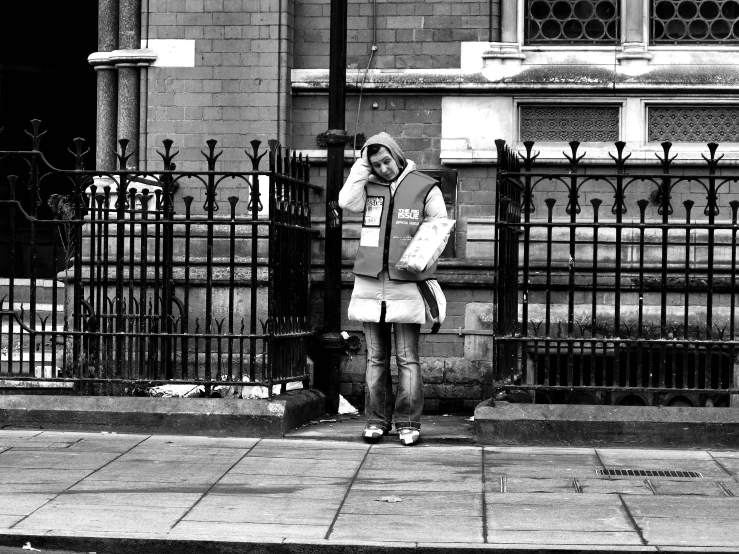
(649, 473)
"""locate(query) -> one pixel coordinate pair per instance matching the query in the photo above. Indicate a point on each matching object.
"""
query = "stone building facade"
(446, 79)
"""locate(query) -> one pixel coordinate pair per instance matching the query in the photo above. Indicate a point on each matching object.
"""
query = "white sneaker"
(409, 436)
(372, 433)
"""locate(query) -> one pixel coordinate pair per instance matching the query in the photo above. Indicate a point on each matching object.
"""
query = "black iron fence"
(616, 284)
(104, 280)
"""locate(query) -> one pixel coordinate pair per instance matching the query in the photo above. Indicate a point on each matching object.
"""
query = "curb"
(503, 423)
(228, 417)
(126, 545)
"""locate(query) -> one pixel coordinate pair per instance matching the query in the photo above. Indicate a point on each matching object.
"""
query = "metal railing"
(633, 301)
(142, 295)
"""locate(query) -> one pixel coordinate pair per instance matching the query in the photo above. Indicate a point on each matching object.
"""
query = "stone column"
(508, 50)
(106, 86)
(509, 21)
(634, 42)
(129, 38)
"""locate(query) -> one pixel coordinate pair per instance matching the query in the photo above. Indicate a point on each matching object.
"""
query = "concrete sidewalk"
(96, 492)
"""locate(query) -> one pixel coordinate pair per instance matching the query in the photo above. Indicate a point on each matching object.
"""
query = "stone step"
(45, 318)
(221, 247)
(481, 244)
(50, 326)
(22, 290)
(20, 364)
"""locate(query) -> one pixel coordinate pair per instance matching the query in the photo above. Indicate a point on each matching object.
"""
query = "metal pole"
(327, 379)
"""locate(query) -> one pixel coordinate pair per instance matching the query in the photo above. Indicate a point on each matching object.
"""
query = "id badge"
(373, 211)
(372, 220)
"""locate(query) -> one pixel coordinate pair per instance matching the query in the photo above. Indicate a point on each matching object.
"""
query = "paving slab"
(295, 466)
(438, 480)
(143, 498)
(729, 465)
(199, 443)
(402, 503)
(426, 451)
(284, 482)
(105, 439)
(57, 459)
(285, 510)
(438, 529)
(615, 486)
(9, 520)
(569, 538)
(48, 480)
(62, 515)
(244, 532)
(556, 512)
(265, 485)
(675, 531)
(503, 484)
(547, 463)
(336, 454)
(686, 508)
(697, 487)
(459, 465)
(22, 503)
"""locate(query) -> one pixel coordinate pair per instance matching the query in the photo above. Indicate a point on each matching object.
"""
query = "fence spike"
(529, 159)
(256, 157)
(36, 134)
(123, 156)
(620, 161)
(211, 156)
(79, 153)
(574, 160)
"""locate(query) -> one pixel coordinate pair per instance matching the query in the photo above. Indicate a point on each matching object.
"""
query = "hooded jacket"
(403, 301)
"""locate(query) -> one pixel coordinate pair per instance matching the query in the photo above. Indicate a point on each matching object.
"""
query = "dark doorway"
(44, 74)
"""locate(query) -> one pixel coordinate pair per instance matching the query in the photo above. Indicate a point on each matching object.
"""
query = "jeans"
(379, 403)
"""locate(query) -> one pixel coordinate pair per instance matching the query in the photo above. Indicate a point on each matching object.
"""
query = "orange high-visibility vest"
(384, 239)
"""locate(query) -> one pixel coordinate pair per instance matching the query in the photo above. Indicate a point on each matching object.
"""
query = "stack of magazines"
(424, 244)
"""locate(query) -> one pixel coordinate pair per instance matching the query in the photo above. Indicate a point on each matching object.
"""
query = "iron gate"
(616, 286)
(141, 294)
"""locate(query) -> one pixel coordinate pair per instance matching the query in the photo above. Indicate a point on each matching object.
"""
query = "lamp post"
(327, 380)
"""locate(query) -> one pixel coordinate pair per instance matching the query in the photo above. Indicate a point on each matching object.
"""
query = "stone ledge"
(615, 426)
(188, 416)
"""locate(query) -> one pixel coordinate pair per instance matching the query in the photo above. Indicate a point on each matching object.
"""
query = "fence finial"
(168, 155)
(211, 157)
(620, 161)
(574, 160)
(79, 153)
(528, 160)
(123, 156)
(256, 157)
(36, 134)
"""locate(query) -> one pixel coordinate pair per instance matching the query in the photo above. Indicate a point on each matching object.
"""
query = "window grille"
(693, 123)
(572, 21)
(566, 123)
(695, 21)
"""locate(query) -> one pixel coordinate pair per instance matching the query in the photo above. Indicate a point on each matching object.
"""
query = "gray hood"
(383, 139)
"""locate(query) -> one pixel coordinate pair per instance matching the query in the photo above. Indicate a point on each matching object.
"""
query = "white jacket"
(403, 302)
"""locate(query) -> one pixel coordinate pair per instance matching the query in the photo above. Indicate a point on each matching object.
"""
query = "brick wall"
(419, 34)
(232, 92)
(414, 121)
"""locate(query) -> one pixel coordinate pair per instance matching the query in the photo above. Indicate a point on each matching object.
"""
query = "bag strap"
(430, 298)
